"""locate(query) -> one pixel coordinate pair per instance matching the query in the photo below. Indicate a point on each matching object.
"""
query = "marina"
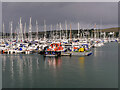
(59, 45)
(46, 59)
(17, 43)
(37, 71)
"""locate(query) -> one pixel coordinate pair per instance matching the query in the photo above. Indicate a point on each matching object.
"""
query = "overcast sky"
(105, 15)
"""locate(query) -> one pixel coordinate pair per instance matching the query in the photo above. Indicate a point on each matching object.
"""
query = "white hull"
(81, 53)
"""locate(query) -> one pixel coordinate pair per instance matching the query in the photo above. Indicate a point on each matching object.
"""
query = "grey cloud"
(54, 12)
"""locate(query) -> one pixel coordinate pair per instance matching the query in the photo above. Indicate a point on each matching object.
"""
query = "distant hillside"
(111, 29)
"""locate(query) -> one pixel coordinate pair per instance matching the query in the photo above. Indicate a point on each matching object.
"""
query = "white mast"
(70, 33)
(66, 28)
(21, 33)
(18, 34)
(20, 29)
(101, 28)
(11, 31)
(36, 30)
(25, 31)
(3, 31)
(44, 30)
(11, 38)
(95, 31)
(56, 30)
(51, 32)
(78, 30)
(30, 30)
(15, 33)
(60, 31)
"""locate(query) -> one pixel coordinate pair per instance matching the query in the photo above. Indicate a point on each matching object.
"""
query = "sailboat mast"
(21, 33)
(18, 35)
(95, 31)
(25, 31)
(78, 29)
(11, 38)
(20, 29)
(70, 33)
(44, 29)
(30, 30)
(15, 35)
(56, 30)
(36, 30)
(11, 31)
(100, 29)
(60, 31)
(3, 31)
(66, 28)
(51, 32)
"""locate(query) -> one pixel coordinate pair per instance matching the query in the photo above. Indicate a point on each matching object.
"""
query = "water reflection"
(11, 67)
(23, 67)
(82, 67)
(32, 71)
(53, 62)
(95, 52)
(18, 66)
(3, 62)
(37, 63)
(82, 60)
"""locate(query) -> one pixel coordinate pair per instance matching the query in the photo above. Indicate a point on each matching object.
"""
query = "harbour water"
(100, 70)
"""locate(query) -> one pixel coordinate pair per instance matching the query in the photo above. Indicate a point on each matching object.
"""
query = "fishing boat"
(54, 49)
(83, 50)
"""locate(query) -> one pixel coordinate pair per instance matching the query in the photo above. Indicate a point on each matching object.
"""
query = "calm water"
(99, 70)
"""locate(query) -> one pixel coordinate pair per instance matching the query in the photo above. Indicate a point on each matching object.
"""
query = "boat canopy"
(85, 45)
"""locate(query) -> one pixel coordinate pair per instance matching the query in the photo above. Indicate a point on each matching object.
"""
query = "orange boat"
(54, 50)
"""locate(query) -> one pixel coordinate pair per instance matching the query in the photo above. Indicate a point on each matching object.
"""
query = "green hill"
(111, 29)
